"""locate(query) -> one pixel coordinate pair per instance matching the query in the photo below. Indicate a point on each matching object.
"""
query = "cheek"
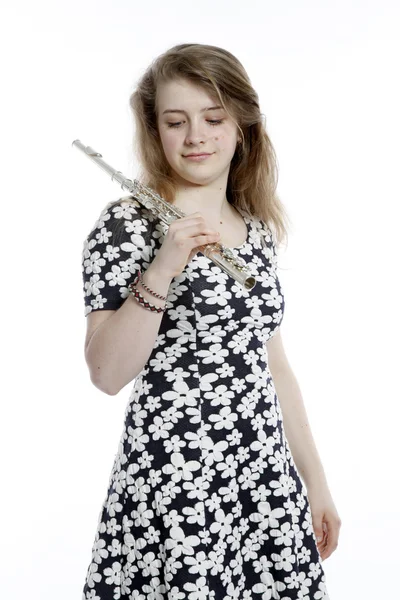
(169, 144)
(224, 141)
(220, 140)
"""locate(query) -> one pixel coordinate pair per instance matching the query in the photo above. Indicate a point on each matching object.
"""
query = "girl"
(205, 499)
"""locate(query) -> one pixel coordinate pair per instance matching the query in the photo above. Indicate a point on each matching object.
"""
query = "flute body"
(220, 254)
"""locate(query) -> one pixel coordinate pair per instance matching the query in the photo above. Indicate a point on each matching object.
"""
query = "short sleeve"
(268, 245)
(119, 244)
(275, 297)
(272, 243)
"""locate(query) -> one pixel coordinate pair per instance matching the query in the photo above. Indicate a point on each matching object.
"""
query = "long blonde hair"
(253, 174)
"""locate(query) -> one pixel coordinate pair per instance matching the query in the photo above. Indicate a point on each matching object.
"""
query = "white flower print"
(257, 318)
(213, 502)
(248, 478)
(113, 505)
(266, 517)
(179, 469)
(181, 395)
(215, 335)
(284, 560)
(250, 547)
(198, 563)
(264, 444)
(225, 370)
(243, 454)
(204, 500)
(239, 343)
(224, 418)
(174, 443)
(284, 535)
(217, 295)
(237, 385)
(139, 490)
(99, 550)
(197, 590)
(195, 514)
(112, 528)
(137, 438)
(142, 515)
(178, 374)
(113, 573)
(94, 285)
(232, 325)
(178, 544)
(273, 298)
(212, 452)
(160, 428)
(94, 263)
(155, 589)
(267, 278)
(215, 354)
(162, 362)
(220, 396)
(196, 489)
(247, 406)
(280, 486)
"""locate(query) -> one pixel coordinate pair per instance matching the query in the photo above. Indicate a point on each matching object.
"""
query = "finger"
(324, 534)
(322, 549)
(318, 530)
(322, 544)
(331, 538)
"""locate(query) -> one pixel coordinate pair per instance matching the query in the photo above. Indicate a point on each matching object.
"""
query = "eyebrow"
(176, 110)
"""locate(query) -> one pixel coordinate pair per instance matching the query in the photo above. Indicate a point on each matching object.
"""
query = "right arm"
(119, 342)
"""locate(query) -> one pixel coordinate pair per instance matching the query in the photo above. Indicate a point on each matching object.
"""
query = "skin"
(199, 183)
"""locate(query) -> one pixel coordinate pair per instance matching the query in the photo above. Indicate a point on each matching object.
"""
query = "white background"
(327, 78)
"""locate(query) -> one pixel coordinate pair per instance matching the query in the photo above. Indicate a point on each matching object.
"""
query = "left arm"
(296, 425)
(326, 521)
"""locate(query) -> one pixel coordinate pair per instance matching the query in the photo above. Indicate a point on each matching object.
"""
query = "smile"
(198, 157)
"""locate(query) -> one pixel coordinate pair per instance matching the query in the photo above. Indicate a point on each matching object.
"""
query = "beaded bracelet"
(150, 290)
(139, 298)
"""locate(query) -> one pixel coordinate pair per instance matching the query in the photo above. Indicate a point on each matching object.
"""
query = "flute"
(220, 254)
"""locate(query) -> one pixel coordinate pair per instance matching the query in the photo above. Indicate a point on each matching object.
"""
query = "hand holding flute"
(185, 237)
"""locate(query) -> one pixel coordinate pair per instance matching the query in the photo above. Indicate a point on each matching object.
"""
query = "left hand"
(325, 519)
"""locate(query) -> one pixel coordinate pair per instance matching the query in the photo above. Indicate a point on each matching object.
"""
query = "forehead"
(182, 94)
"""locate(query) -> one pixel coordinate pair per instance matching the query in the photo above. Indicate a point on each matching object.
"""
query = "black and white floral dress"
(204, 500)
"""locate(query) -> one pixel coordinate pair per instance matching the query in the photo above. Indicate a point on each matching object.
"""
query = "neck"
(211, 201)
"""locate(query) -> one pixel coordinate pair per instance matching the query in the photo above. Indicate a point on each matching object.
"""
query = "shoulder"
(122, 211)
(265, 238)
(121, 219)
(121, 241)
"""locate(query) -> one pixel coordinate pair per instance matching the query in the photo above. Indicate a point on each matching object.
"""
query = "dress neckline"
(247, 222)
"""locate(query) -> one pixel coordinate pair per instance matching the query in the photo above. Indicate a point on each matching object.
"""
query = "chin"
(196, 178)
(201, 174)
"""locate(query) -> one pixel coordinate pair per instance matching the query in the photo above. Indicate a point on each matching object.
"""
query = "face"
(190, 129)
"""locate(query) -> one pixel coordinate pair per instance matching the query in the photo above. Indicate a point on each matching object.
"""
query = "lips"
(201, 154)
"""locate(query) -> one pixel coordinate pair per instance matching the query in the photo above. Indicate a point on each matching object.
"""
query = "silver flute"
(220, 254)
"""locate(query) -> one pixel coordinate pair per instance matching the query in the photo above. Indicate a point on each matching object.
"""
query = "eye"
(213, 123)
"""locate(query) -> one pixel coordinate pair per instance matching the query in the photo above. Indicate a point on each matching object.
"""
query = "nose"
(195, 134)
